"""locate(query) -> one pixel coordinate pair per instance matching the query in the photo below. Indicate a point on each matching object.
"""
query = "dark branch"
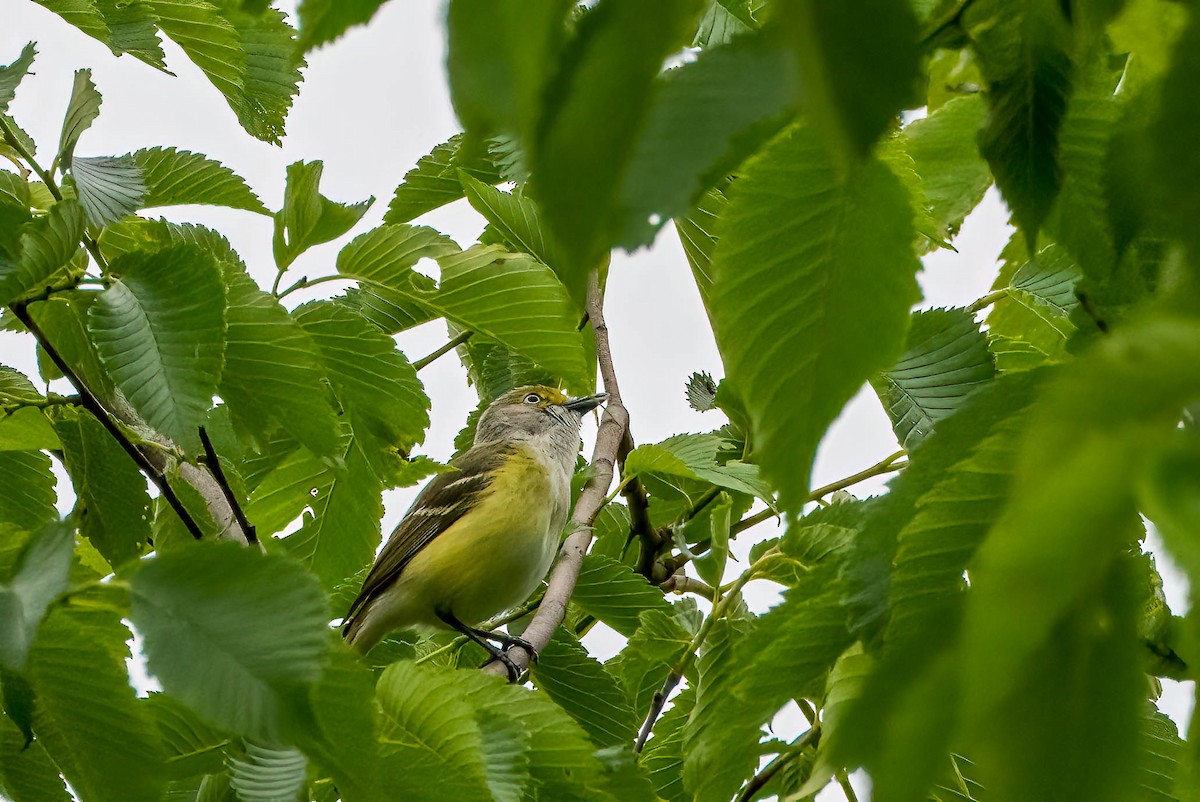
(92, 404)
(656, 708)
(758, 781)
(214, 465)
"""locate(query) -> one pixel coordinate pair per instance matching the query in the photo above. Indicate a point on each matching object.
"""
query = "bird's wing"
(446, 498)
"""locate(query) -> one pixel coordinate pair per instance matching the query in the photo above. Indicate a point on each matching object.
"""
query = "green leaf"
(125, 27)
(272, 71)
(308, 218)
(1175, 167)
(192, 746)
(88, 717)
(434, 181)
(343, 533)
(384, 258)
(698, 457)
(615, 594)
(28, 497)
(663, 755)
(47, 245)
(698, 235)
(26, 429)
(26, 771)
(82, 111)
(579, 685)
(160, 332)
(516, 301)
(16, 388)
(945, 359)
(109, 187)
(855, 77)
(428, 729)
(281, 480)
(705, 118)
(953, 176)
(593, 109)
(373, 380)
(174, 177)
(272, 375)
(322, 21)
(514, 217)
(1023, 50)
(233, 634)
(1072, 513)
(649, 655)
(113, 507)
(1160, 751)
(497, 57)
(12, 74)
(40, 575)
(816, 264)
(267, 773)
(63, 318)
(1039, 297)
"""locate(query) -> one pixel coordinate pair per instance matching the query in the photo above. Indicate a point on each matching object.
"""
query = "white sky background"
(373, 103)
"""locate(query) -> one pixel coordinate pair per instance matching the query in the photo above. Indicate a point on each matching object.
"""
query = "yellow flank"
(492, 558)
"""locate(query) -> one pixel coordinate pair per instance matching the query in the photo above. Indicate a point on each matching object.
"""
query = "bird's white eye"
(532, 398)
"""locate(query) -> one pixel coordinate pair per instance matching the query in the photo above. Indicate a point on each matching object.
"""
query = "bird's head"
(532, 410)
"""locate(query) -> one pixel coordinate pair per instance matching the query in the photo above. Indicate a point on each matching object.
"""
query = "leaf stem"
(51, 400)
(424, 361)
(987, 300)
(92, 404)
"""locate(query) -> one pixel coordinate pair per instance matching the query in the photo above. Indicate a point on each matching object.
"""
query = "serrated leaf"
(809, 252)
(1023, 50)
(125, 27)
(322, 21)
(954, 177)
(26, 429)
(434, 181)
(174, 177)
(88, 717)
(268, 773)
(192, 747)
(343, 533)
(1038, 301)
(12, 74)
(517, 302)
(39, 576)
(28, 497)
(272, 374)
(592, 112)
(701, 392)
(82, 111)
(615, 594)
(428, 730)
(945, 359)
(1160, 751)
(282, 480)
(698, 236)
(308, 218)
(697, 457)
(705, 118)
(514, 217)
(46, 246)
(113, 507)
(109, 187)
(855, 78)
(160, 332)
(374, 382)
(581, 686)
(648, 656)
(1175, 167)
(64, 320)
(384, 257)
(234, 634)
(16, 388)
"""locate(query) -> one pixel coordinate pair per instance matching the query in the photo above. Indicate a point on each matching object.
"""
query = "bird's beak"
(586, 403)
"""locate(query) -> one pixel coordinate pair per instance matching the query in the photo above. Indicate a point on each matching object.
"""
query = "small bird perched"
(479, 538)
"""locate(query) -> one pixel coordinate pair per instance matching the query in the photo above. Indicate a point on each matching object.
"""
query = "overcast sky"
(370, 106)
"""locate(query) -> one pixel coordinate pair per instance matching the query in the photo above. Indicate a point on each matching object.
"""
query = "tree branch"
(613, 425)
(442, 351)
(797, 747)
(214, 464)
(92, 404)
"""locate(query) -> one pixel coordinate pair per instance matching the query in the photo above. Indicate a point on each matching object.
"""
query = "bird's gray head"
(534, 410)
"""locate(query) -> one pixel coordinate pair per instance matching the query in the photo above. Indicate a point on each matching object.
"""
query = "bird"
(481, 536)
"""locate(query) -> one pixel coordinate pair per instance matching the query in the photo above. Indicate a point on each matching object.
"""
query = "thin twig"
(988, 300)
(92, 404)
(442, 351)
(565, 572)
(214, 465)
(682, 583)
(797, 747)
(656, 708)
(51, 400)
